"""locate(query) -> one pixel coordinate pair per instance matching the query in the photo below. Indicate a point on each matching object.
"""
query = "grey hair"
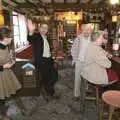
(95, 35)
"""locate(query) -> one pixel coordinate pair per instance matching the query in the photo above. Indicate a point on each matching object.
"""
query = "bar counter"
(116, 66)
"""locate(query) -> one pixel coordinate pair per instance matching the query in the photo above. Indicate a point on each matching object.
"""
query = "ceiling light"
(113, 2)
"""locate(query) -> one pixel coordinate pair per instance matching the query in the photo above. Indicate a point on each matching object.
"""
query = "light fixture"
(46, 18)
(71, 22)
(115, 46)
(1, 14)
(69, 16)
(92, 26)
(2, 20)
(113, 2)
(114, 18)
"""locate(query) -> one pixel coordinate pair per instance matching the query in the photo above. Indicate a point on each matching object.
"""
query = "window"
(20, 30)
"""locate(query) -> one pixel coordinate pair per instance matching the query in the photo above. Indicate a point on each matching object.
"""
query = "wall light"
(114, 18)
(1, 20)
(1, 14)
(113, 2)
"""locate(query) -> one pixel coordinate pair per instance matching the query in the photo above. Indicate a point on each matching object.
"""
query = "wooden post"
(111, 111)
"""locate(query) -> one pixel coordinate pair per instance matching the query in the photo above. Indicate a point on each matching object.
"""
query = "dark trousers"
(3, 109)
(49, 75)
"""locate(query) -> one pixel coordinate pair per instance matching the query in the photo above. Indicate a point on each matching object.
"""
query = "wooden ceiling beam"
(15, 2)
(35, 7)
(42, 4)
(90, 2)
(12, 7)
(76, 6)
(53, 1)
(4, 4)
(78, 2)
(103, 1)
(65, 1)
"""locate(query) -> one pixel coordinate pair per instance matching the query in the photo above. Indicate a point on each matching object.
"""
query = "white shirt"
(46, 51)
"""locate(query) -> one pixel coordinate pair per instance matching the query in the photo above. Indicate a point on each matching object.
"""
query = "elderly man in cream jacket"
(78, 51)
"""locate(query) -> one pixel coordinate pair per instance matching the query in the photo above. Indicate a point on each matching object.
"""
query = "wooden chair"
(60, 57)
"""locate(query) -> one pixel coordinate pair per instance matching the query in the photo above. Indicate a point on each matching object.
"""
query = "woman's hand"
(7, 65)
(7, 41)
(31, 26)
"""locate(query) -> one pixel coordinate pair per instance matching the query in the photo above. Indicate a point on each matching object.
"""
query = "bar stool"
(60, 57)
(99, 89)
(112, 98)
(83, 97)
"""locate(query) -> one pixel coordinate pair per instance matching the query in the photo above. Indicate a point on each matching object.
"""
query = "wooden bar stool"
(60, 57)
(99, 89)
(112, 98)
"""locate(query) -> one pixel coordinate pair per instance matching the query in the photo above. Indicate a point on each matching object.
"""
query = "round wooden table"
(112, 98)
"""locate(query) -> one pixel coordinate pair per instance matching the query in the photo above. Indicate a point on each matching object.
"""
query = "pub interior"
(65, 19)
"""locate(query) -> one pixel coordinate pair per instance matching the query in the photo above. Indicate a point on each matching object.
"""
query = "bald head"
(87, 30)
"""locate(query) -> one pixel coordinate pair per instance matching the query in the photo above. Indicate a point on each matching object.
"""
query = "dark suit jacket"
(38, 46)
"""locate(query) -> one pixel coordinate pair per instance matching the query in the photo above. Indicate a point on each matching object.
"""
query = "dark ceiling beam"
(4, 4)
(17, 8)
(15, 2)
(76, 6)
(103, 1)
(53, 1)
(65, 1)
(90, 2)
(35, 7)
(78, 2)
(25, 5)
(12, 7)
(31, 3)
(40, 2)
(44, 6)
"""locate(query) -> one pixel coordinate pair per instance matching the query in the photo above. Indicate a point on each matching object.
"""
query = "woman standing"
(8, 81)
(97, 66)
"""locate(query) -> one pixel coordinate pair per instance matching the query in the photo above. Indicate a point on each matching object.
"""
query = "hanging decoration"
(114, 18)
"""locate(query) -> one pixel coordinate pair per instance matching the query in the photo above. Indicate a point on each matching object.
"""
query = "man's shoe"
(56, 96)
(76, 99)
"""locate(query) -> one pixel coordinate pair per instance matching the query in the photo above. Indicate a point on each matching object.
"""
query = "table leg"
(82, 95)
(111, 111)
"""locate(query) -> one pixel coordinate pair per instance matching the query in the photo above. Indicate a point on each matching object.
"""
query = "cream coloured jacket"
(95, 64)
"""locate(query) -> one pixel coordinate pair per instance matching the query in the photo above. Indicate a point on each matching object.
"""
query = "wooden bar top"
(116, 59)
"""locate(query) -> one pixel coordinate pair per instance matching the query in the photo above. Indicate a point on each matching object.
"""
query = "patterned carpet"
(64, 108)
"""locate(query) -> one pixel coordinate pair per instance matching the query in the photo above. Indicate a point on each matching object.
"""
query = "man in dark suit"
(43, 58)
